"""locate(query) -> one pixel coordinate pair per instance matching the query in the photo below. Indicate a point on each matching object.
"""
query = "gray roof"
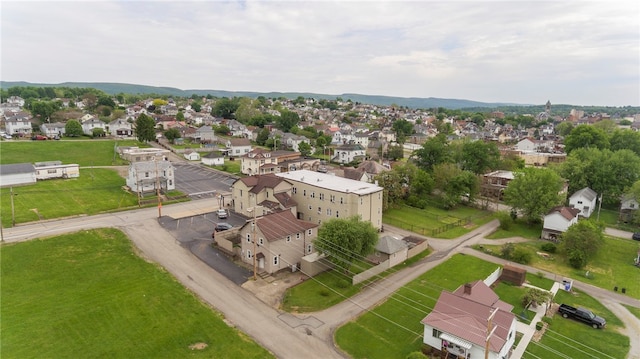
(17, 168)
(390, 245)
(586, 192)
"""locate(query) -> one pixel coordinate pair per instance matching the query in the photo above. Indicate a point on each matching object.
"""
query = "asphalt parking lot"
(200, 182)
(194, 233)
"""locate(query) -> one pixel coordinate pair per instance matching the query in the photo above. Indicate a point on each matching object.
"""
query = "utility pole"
(490, 333)
(600, 205)
(155, 160)
(253, 237)
(13, 212)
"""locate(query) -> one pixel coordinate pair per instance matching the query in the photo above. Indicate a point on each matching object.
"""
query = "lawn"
(332, 287)
(88, 295)
(573, 339)
(436, 222)
(519, 228)
(612, 266)
(393, 329)
(95, 191)
(83, 153)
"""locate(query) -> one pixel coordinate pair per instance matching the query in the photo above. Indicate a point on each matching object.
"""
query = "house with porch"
(472, 322)
(349, 153)
(557, 221)
(584, 200)
(89, 125)
(18, 125)
(121, 127)
(53, 129)
(204, 134)
(278, 241)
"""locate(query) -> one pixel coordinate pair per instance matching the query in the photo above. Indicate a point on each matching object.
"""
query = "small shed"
(192, 155)
(213, 159)
(513, 275)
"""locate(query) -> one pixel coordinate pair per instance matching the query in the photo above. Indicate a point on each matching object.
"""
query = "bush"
(342, 284)
(548, 247)
(538, 325)
(506, 251)
(505, 220)
(418, 202)
(521, 255)
(547, 320)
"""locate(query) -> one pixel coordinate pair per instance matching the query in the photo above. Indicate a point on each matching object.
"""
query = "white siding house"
(557, 221)
(584, 200)
(148, 175)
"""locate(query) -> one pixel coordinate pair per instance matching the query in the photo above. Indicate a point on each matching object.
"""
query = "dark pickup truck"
(582, 315)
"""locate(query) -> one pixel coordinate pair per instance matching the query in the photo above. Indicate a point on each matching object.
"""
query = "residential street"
(246, 307)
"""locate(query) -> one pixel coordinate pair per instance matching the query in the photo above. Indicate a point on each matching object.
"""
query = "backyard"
(88, 295)
(393, 329)
(611, 267)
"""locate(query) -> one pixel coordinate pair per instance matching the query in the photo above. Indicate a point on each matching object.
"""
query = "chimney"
(467, 288)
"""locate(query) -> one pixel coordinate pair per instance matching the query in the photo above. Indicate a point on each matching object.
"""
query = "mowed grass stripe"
(88, 295)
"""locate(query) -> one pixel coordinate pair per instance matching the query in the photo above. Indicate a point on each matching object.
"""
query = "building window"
(240, 193)
(310, 232)
(288, 238)
(310, 208)
(328, 211)
(361, 200)
(319, 210)
(332, 198)
(50, 171)
(337, 214)
(146, 174)
(313, 195)
(309, 248)
(322, 196)
(249, 254)
(275, 260)
(294, 190)
(579, 202)
(304, 192)
(297, 235)
(260, 241)
(341, 202)
(248, 238)
(436, 333)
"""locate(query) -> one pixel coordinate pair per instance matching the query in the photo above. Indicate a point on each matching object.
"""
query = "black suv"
(636, 236)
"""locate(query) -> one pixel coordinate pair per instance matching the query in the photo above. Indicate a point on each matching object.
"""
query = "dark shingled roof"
(281, 224)
(16, 168)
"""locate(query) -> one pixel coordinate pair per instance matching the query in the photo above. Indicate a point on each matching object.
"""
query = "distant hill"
(411, 102)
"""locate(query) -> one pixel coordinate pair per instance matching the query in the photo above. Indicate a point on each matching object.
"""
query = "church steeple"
(547, 107)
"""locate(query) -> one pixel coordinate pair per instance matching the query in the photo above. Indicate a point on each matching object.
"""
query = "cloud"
(584, 53)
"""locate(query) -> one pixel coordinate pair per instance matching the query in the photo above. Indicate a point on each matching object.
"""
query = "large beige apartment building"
(310, 196)
(323, 196)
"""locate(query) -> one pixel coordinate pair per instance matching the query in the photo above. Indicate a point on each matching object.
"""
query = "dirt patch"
(198, 346)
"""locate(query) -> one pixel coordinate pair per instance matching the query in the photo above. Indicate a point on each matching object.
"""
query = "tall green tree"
(262, 137)
(479, 157)
(304, 149)
(625, 139)
(433, 152)
(287, 120)
(171, 134)
(453, 184)
(345, 240)
(145, 128)
(73, 128)
(225, 108)
(403, 129)
(564, 128)
(534, 191)
(586, 136)
(581, 242)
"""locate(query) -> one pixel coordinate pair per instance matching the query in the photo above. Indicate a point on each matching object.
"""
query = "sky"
(522, 52)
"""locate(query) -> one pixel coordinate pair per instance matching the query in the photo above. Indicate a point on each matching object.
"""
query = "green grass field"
(88, 295)
(574, 339)
(95, 191)
(436, 222)
(611, 267)
(83, 153)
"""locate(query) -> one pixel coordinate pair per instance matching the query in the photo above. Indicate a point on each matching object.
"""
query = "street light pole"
(13, 212)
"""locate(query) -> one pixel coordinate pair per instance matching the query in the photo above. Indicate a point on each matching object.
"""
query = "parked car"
(222, 226)
(583, 315)
(39, 138)
(636, 236)
(222, 213)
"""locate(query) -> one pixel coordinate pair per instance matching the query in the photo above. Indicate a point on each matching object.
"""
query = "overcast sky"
(527, 52)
